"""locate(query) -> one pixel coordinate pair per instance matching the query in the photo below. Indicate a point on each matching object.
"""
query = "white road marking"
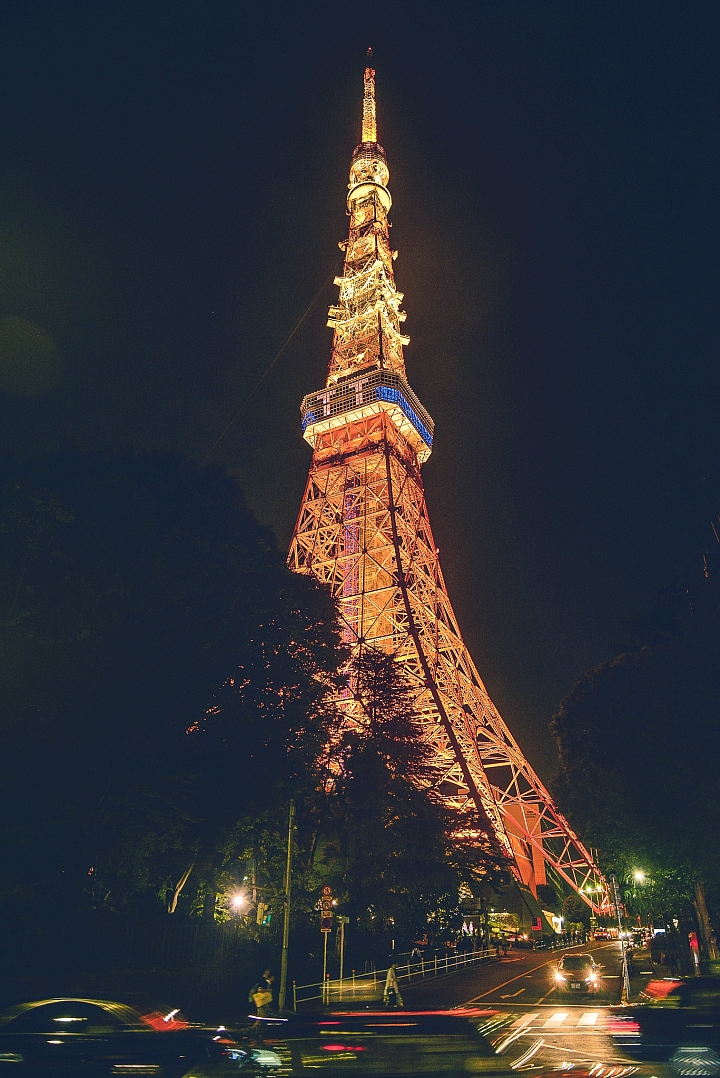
(589, 1018)
(513, 994)
(556, 1019)
(525, 1020)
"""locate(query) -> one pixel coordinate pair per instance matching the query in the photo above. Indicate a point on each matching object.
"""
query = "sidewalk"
(644, 970)
(368, 987)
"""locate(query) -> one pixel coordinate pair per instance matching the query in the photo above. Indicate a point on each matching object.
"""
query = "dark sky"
(172, 183)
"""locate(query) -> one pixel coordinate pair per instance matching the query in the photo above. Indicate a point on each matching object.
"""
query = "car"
(90, 1038)
(400, 1042)
(578, 974)
(677, 1022)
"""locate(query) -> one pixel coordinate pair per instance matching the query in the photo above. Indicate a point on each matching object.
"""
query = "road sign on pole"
(325, 905)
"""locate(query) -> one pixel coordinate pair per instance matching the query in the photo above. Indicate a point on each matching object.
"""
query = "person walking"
(260, 996)
(391, 993)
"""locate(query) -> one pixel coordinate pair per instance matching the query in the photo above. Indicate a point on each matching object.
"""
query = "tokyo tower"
(363, 529)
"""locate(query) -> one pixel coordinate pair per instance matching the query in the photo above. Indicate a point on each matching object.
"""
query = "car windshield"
(576, 961)
(67, 1016)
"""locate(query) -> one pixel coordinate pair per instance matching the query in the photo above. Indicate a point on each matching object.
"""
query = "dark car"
(390, 1043)
(87, 1038)
(678, 1023)
(577, 975)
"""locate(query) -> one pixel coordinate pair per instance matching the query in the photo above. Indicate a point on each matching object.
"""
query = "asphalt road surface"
(571, 1030)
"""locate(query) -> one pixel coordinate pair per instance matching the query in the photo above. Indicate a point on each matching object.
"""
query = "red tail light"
(616, 1024)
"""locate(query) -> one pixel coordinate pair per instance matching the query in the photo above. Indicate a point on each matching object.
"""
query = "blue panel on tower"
(387, 393)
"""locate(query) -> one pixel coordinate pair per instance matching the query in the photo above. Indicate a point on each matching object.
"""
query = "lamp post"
(342, 920)
(286, 912)
(625, 996)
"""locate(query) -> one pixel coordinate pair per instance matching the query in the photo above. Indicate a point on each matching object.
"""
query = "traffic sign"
(325, 904)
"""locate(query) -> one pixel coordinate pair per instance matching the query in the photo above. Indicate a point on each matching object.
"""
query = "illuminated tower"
(363, 528)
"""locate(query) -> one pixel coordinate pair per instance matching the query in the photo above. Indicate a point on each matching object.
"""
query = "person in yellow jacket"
(391, 993)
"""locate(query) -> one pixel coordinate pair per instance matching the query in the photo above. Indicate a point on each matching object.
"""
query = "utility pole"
(286, 912)
(342, 921)
(625, 996)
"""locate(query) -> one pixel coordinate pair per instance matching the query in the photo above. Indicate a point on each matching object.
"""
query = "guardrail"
(367, 987)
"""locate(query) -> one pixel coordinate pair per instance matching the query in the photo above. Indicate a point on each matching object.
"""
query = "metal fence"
(368, 987)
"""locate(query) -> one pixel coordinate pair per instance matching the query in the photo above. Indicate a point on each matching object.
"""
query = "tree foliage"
(167, 685)
(395, 853)
(639, 740)
(137, 592)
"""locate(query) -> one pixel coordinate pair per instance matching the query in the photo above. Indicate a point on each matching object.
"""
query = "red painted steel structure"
(363, 528)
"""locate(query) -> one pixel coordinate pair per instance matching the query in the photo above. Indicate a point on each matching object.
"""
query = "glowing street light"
(238, 903)
(639, 876)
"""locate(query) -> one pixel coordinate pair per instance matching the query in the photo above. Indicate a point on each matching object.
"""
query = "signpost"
(326, 923)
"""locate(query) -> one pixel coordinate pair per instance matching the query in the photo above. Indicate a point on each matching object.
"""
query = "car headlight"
(265, 1057)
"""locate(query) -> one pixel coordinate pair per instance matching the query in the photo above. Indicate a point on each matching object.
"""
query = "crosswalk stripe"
(589, 1018)
(525, 1020)
(556, 1019)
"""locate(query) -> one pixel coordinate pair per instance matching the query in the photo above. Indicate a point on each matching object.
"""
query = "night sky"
(172, 185)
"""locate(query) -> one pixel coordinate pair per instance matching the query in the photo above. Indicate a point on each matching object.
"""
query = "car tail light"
(343, 1048)
(618, 1024)
(661, 989)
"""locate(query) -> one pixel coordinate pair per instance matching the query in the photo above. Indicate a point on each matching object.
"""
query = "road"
(523, 984)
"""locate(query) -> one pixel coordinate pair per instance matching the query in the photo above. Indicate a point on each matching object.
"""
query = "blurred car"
(393, 1043)
(578, 974)
(89, 1038)
(678, 1023)
(525, 941)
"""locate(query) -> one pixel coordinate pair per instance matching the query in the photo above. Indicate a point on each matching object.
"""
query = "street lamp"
(639, 875)
(238, 903)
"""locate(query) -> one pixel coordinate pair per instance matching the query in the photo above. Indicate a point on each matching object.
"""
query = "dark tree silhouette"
(136, 592)
(639, 739)
(396, 854)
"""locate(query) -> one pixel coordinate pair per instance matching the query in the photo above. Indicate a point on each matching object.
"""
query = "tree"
(387, 844)
(159, 670)
(639, 739)
(548, 896)
(575, 911)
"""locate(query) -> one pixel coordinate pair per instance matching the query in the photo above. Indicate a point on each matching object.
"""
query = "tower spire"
(369, 121)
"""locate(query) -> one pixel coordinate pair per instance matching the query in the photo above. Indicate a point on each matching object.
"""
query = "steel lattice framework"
(363, 528)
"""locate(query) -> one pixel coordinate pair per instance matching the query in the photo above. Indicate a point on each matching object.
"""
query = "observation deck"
(364, 394)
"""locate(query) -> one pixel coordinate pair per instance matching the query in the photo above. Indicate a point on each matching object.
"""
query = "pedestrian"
(504, 941)
(391, 993)
(260, 996)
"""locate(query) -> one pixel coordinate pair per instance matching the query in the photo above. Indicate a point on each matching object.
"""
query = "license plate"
(575, 984)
